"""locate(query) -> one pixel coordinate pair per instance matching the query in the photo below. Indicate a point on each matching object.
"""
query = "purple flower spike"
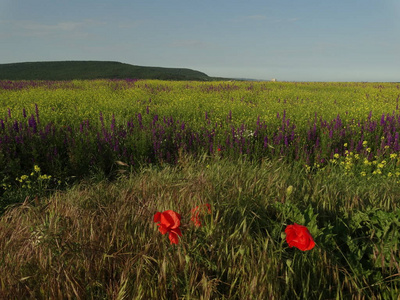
(37, 113)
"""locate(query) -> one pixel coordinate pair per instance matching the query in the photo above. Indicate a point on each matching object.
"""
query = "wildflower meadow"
(147, 189)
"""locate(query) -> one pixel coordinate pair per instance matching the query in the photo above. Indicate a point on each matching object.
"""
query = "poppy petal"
(165, 220)
(162, 228)
(173, 237)
(177, 231)
(173, 219)
(157, 217)
(299, 236)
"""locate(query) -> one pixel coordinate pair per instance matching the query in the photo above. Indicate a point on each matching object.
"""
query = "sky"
(290, 40)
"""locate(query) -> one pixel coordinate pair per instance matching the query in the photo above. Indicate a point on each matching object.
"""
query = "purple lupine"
(360, 145)
(129, 124)
(383, 120)
(101, 119)
(396, 142)
(15, 126)
(331, 133)
(37, 113)
(155, 119)
(389, 139)
(338, 123)
(372, 126)
(278, 138)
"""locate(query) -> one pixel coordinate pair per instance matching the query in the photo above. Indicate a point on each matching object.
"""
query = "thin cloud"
(265, 18)
(290, 20)
(47, 28)
(28, 28)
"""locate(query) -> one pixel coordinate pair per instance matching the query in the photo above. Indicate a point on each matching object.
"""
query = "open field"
(93, 161)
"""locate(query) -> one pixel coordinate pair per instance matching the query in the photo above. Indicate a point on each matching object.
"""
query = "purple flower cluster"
(75, 149)
(27, 84)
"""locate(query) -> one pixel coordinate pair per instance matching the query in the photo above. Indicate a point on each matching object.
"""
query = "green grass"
(99, 241)
(79, 70)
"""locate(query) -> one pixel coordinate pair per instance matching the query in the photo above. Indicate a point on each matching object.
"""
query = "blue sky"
(290, 40)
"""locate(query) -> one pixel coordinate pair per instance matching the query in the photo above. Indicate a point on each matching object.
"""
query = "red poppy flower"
(196, 212)
(298, 236)
(169, 221)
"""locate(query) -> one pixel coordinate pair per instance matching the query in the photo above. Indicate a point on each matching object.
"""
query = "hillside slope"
(69, 70)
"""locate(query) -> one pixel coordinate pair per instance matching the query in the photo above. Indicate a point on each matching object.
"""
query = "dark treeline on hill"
(70, 70)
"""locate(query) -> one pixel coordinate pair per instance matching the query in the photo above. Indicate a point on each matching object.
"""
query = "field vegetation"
(86, 165)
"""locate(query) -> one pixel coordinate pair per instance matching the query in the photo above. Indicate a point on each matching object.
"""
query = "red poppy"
(298, 236)
(196, 212)
(169, 221)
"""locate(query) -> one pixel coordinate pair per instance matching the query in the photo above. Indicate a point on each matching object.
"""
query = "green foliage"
(74, 70)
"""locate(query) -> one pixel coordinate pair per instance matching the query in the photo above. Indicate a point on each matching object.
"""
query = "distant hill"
(69, 70)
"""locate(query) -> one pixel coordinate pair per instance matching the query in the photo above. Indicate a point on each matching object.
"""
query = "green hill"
(69, 70)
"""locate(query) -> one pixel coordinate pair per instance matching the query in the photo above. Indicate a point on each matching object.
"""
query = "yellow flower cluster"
(189, 101)
(356, 164)
(5, 186)
(28, 180)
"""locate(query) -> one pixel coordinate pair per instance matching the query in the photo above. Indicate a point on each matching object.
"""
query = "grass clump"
(99, 241)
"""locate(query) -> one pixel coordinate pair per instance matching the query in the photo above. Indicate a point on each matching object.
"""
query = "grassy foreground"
(99, 241)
